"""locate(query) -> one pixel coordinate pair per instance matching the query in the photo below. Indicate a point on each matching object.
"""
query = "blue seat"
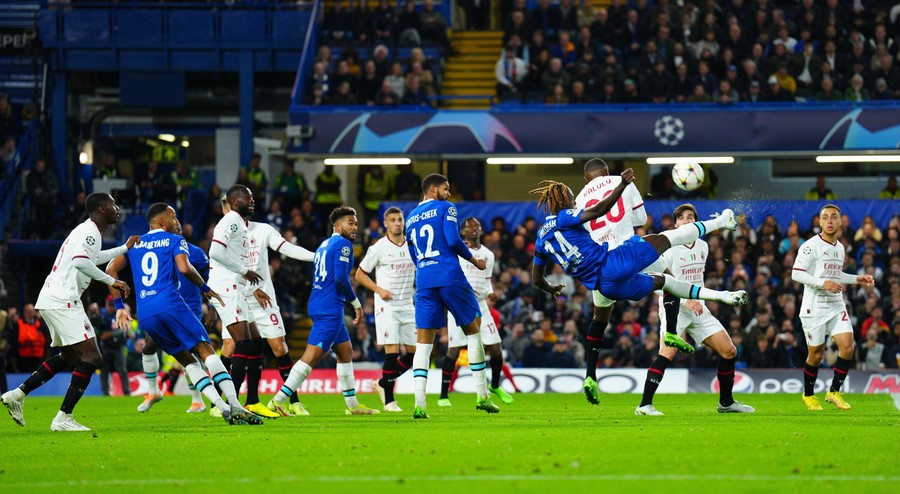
(191, 28)
(241, 28)
(139, 28)
(86, 27)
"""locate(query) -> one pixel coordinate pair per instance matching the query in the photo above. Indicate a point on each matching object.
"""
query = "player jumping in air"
(688, 263)
(820, 266)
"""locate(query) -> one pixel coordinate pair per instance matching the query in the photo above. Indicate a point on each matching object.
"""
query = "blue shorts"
(431, 304)
(327, 330)
(176, 329)
(621, 277)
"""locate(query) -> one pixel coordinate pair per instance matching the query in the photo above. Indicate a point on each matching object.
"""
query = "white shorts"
(235, 309)
(268, 321)
(601, 300)
(395, 327)
(699, 327)
(489, 333)
(817, 329)
(67, 326)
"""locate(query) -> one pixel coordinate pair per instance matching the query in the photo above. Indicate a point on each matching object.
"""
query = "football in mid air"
(687, 175)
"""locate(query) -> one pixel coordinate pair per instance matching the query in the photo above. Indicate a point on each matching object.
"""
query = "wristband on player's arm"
(118, 303)
(355, 303)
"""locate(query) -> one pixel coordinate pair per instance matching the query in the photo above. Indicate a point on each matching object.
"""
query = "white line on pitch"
(896, 397)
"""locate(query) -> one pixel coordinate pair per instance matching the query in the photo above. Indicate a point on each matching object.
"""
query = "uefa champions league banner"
(569, 381)
(665, 129)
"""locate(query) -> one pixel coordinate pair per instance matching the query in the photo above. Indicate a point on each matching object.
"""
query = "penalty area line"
(896, 398)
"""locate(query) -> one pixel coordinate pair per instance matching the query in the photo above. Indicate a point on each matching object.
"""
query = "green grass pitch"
(541, 443)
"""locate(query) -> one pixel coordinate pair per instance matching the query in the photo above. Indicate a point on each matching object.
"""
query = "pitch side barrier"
(678, 381)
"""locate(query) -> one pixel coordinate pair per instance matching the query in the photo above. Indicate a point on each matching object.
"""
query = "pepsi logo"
(742, 383)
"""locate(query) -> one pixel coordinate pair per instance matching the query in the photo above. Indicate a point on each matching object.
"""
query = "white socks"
(686, 234)
(150, 363)
(204, 384)
(421, 361)
(299, 372)
(347, 383)
(221, 377)
(477, 363)
(685, 290)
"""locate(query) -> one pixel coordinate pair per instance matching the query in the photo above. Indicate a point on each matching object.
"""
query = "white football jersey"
(479, 279)
(823, 261)
(260, 238)
(394, 271)
(230, 232)
(618, 224)
(64, 285)
(688, 262)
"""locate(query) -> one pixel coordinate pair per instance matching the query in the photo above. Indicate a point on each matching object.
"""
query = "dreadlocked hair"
(553, 195)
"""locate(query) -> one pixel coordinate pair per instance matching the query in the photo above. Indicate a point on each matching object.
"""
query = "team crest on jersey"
(234, 228)
(184, 244)
(90, 241)
(87, 327)
(452, 211)
(345, 251)
(807, 250)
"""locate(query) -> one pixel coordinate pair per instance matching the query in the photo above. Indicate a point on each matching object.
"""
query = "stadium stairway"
(297, 336)
(471, 71)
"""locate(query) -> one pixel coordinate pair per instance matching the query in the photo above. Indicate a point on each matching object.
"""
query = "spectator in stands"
(312, 218)
(336, 27)
(73, 215)
(477, 13)
(316, 97)
(328, 192)
(414, 94)
(291, 186)
(155, 186)
(386, 95)
(9, 121)
(41, 196)
(579, 96)
(827, 92)
(434, 26)
(806, 70)
(383, 22)
(659, 85)
(361, 23)
(32, 339)
(112, 340)
(536, 352)
(510, 72)
(881, 91)
(557, 96)
(259, 182)
(820, 192)
(343, 74)
(761, 356)
(855, 91)
(185, 179)
(754, 94)
(725, 93)
(787, 348)
(382, 59)
(564, 50)
(875, 324)
(890, 191)
(547, 18)
(109, 168)
(321, 78)
(871, 353)
(369, 84)
(7, 152)
(425, 78)
(274, 216)
(407, 185)
(409, 25)
(372, 188)
(699, 95)
(397, 80)
(559, 356)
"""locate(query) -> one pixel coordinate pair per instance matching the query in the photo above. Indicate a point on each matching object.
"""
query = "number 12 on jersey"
(426, 232)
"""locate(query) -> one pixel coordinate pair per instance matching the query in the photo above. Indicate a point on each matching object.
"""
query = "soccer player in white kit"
(228, 275)
(482, 284)
(395, 315)
(688, 263)
(820, 266)
(613, 229)
(264, 311)
(60, 304)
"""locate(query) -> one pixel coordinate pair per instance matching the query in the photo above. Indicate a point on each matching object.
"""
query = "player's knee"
(93, 359)
(729, 352)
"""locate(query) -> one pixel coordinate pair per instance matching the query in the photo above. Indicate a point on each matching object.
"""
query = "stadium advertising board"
(708, 128)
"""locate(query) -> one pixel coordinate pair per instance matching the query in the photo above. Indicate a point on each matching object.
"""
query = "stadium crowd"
(695, 51)
(537, 331)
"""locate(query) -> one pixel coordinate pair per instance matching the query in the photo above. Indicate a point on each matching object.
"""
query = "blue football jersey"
(562, 239)
(331, 276)
(190, 292)
(432, 235)
(155, 272)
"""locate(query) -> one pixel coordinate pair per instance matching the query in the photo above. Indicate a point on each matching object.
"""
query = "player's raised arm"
(605, 204)
(282, 246)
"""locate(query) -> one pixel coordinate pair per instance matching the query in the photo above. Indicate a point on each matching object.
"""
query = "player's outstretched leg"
(686, 234)
(81, 377)
(685, 290)
(150, 363)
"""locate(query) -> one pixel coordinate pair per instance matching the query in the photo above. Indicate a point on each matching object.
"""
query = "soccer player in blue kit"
(432, 234)
(616, 273)
(192, 295)
(155, 263)
(331, 290)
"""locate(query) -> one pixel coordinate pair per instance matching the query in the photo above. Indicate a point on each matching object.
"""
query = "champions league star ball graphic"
(669, 130)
